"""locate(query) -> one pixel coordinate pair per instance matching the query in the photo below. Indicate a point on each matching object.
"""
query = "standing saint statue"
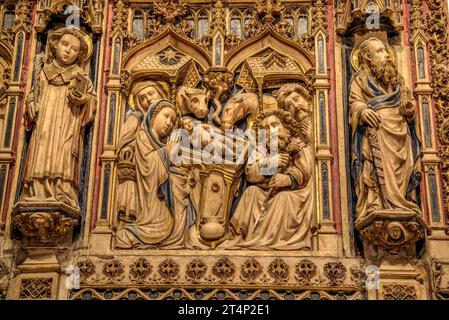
(385, 146)
(60, 103)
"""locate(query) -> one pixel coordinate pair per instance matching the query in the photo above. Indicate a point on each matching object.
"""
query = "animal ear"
(188, 92)
(240, 92)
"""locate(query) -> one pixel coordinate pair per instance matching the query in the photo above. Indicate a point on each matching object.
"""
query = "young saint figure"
(59, 105)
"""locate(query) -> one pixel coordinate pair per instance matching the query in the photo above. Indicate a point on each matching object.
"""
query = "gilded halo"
(355, 63)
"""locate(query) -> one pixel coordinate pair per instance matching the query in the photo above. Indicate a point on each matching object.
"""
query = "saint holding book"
(59, 105)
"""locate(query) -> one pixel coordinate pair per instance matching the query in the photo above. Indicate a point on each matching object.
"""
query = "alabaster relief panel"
(219, 159)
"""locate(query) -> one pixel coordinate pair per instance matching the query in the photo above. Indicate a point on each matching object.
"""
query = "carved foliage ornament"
(224, 269)
(86, 268)
(196, 269)
(392, 236)
(44, 226)
(335, 272)
(169, 270)
(305, 270)
(140, 270)
(250, 270)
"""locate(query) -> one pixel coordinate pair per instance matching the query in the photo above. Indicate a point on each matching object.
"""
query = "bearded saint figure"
(381, 105)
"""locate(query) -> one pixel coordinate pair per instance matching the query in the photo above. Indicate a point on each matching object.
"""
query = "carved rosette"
(250, 270)
(305, 270)
(140, 270)
(195, 270)
(335, 272)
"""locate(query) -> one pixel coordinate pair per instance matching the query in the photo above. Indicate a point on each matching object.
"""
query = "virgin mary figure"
(155, 220)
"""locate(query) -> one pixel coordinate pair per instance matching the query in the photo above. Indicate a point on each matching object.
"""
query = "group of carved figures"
(160, 201)
(164, 204)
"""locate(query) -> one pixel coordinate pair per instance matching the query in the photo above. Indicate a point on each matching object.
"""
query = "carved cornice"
(281, 274)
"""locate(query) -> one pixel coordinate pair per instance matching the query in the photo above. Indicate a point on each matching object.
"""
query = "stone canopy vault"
(260, 149)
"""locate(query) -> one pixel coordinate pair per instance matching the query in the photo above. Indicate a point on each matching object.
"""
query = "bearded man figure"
(381, 106)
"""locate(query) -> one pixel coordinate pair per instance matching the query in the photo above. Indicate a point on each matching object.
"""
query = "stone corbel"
(44, 224)
(391, 235)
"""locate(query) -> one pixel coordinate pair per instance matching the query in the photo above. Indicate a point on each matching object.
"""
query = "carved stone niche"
(44, 224)
(391, 235)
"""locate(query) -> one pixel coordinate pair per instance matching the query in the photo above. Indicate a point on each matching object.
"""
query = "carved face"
(163, 123)
(198, 103)
(147, 96)
(274, 127)
(297, 105)
(67, 49)
(378, 53)
(380, 63)
(237, 107)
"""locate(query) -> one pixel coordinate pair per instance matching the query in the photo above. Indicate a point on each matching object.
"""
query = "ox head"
(191, 100)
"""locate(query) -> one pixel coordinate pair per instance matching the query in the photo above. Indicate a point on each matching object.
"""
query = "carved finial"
(269, 9)
(170, 10)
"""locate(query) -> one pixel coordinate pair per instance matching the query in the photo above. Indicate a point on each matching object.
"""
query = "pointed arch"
(264, 40)
(166, 38)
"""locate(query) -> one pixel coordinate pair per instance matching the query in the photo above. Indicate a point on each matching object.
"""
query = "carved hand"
(280, 160)
(408, 109)
(370, 117)
(77, 98)
(280, 180)
(31, 110)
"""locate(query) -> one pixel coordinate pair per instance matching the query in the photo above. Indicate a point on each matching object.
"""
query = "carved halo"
(355, 63)
(87, 40)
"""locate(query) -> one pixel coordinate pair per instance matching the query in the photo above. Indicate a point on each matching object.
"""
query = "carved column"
(117, 39)
(319, 33)
(437, 171)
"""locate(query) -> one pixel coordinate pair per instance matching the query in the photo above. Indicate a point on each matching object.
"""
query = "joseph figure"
(59, 105)
(380, 104)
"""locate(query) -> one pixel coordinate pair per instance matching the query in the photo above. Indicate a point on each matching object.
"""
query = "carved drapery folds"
(212, 91)
(221, 145)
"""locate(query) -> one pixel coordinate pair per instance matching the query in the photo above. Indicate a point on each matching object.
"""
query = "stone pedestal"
(391, 235)
(45, 231)
(44, 224)
(399, 282)
(390, 244)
